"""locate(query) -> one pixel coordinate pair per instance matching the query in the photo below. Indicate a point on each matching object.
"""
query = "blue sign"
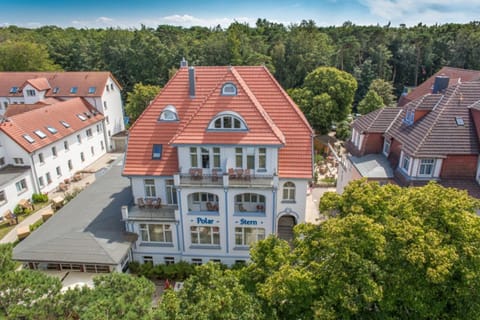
(204, 221)
(248, 222)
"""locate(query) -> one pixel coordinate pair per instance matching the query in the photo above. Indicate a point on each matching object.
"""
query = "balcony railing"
(237, 178)
(165, 213)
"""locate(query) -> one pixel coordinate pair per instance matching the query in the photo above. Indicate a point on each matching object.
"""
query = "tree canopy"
(139, 99)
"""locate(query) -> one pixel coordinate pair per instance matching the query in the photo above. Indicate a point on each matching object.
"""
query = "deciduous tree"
(139, 99)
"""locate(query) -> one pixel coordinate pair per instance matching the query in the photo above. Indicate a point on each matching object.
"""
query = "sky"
(210, 13)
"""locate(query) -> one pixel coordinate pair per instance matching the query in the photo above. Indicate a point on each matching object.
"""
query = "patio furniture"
(215, 173)
(231, 173)
(10, 218)
(195, 173)
(157, 203)
(247, 174)
(239, 173)
(140, 203)
(149, 203)
(241, 208)
(212, 207)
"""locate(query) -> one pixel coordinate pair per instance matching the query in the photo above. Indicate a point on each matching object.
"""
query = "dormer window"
(227, 120)
(169, 113)
(55, 90)
(73, 89)
(229, 89)
(409, 117)
(31, 93)
(13, 89)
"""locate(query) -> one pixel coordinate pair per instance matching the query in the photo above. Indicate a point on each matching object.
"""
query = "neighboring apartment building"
(43, 147)
(229, 154)
(100, 89)
(435, 137)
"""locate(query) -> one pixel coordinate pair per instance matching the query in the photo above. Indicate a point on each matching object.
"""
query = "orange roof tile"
(14, 109)
(271, 116)
(39, 119)
(62, 80)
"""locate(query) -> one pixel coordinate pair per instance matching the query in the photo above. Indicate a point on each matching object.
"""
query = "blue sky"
(131, 14)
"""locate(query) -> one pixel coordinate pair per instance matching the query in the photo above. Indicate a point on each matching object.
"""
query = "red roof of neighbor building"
(50, 116)
(456, 75)
(64, 81)
(17, 108)
(271, 116)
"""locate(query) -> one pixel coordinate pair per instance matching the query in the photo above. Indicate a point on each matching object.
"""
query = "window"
(426, 167)
(105, 105)
(31, 93)
(13, 90)
(148, 259)
(79, 138)
(54, 151)
(250, 198)
(216, 157)
(288, 191)
(92, 150)
(156, 151)
(89, 133)
(150, 191)
(18, 160)
(40, 158)
(193, 157)
(70, 165)
(5, 105)
(169, 260)
(229, 89)
(28, 138)
(251, 158)
(107, 120)
(111, 86)
(101, 145)
(409, 117)
(82, 156)
(2, 161)
(73, 89)
(247, 236)
(59, 171)
(65, 145)
(65, 124)
(227, 120)
(49, 178)
(405, 163)
(205, 235)
(156, 233)
(81, 117)
(197, 262)
(106, 87)
(205, 158)
(262, 158)
(3, 198)
(92, 90)
(21, 185)
(41, 182)
(55, 90)
(99, 128)
(171, 192)
(51, 129)
(238, 157)
(386, 147)
(109, 133)
(459, 121)
(40, 134)
(169, 113)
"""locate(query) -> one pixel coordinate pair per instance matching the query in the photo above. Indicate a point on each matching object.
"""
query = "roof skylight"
(51, 129)
(73, 89)
(40, 134)
(81, 117)
(28, 138)
(55, 90)
(92, 90)
(13, 89)
(65, 124)
(459, 121)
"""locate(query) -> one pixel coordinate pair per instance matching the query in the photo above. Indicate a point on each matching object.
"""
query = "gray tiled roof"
(437, 133)
(376, 121)
(88, 229)
(10, 173)
(373, 166)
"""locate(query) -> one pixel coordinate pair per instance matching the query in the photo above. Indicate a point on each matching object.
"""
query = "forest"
(403, 56)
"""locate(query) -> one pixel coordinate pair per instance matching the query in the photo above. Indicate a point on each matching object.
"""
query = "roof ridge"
(107, 254)
(394, 120)
(377, 115)
(289, 99)
(278, 133)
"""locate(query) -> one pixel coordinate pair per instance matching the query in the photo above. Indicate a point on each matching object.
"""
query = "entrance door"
(285, 228)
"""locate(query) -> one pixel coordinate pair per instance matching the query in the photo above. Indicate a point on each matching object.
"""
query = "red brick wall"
(372, 143)
(394, 155)
(459, 167)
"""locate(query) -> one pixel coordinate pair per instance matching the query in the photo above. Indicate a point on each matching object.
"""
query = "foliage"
(18, 210)
(70, 195)
(139, 99)
(35, 225)
(343, 131)
(371, 102)
(385, 90)
(176, 271)
(6, 262)
(326, 97)
(25, 56)
(39, 197)
(210, 293)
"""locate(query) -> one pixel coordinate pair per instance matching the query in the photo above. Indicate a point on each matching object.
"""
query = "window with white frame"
(40, 158)
(288, 191)
(405, 163)
(409, 117)
(54, 151)
(171, 192)
(18, 160)
(3, 197)
(21, 185)
(2, 161)
(70, 165)
(82, 157)
(262, 158)
(150, 191)
(65, 145)
(41, 182)
(205, 153)
(426, 167)
(386, 147)
(59, 171)
(229, 89)
(31, 92)
(169, 260)
(227, 120)
(216, 157)
(49, 178)
(238, 157)
(205, 235)
(169, 113)
(247, 236)
(88, 132)
(156, 232)
(193, 157)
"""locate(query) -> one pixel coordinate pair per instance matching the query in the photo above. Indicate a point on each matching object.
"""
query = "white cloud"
(187, 20)
(429, 12)
(105, 20)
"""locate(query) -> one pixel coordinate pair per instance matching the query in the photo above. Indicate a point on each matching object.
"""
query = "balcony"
(165, 213)
(245, 178)
(250, 209)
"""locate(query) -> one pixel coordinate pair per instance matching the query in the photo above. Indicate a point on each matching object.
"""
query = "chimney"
(440, 84)
(191, 82)
(124, 213)
(183, 63)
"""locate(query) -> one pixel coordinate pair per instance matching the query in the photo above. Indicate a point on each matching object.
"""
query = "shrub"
(35, 225)
(18, 210)
(39, 197)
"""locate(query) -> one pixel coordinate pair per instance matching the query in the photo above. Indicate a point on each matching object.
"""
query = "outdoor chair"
(241, 208)
(140, 203)
(157, 203)
(231, 173)
(149, 203)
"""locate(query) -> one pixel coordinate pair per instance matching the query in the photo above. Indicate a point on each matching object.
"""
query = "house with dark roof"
(435, 137)
(220, 159)
(98, 88)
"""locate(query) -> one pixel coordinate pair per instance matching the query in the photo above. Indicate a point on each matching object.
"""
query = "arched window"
(202, 201)
(227, 120)
(288, 191)
(229, 89)
(169, 113)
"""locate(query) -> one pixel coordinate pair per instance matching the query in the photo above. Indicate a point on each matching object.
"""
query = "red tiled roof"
(456, 76)
(62, 80)
(14, 109)
(26, 123)
(271, 116)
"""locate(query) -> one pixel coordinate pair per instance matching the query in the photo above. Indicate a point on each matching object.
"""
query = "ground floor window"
(148, 259)
(197, 262)
(205, 235)
(156, 233)
(247, 236)
(169, 260)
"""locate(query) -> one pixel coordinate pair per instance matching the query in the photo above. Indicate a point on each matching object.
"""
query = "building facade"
(220, 159)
